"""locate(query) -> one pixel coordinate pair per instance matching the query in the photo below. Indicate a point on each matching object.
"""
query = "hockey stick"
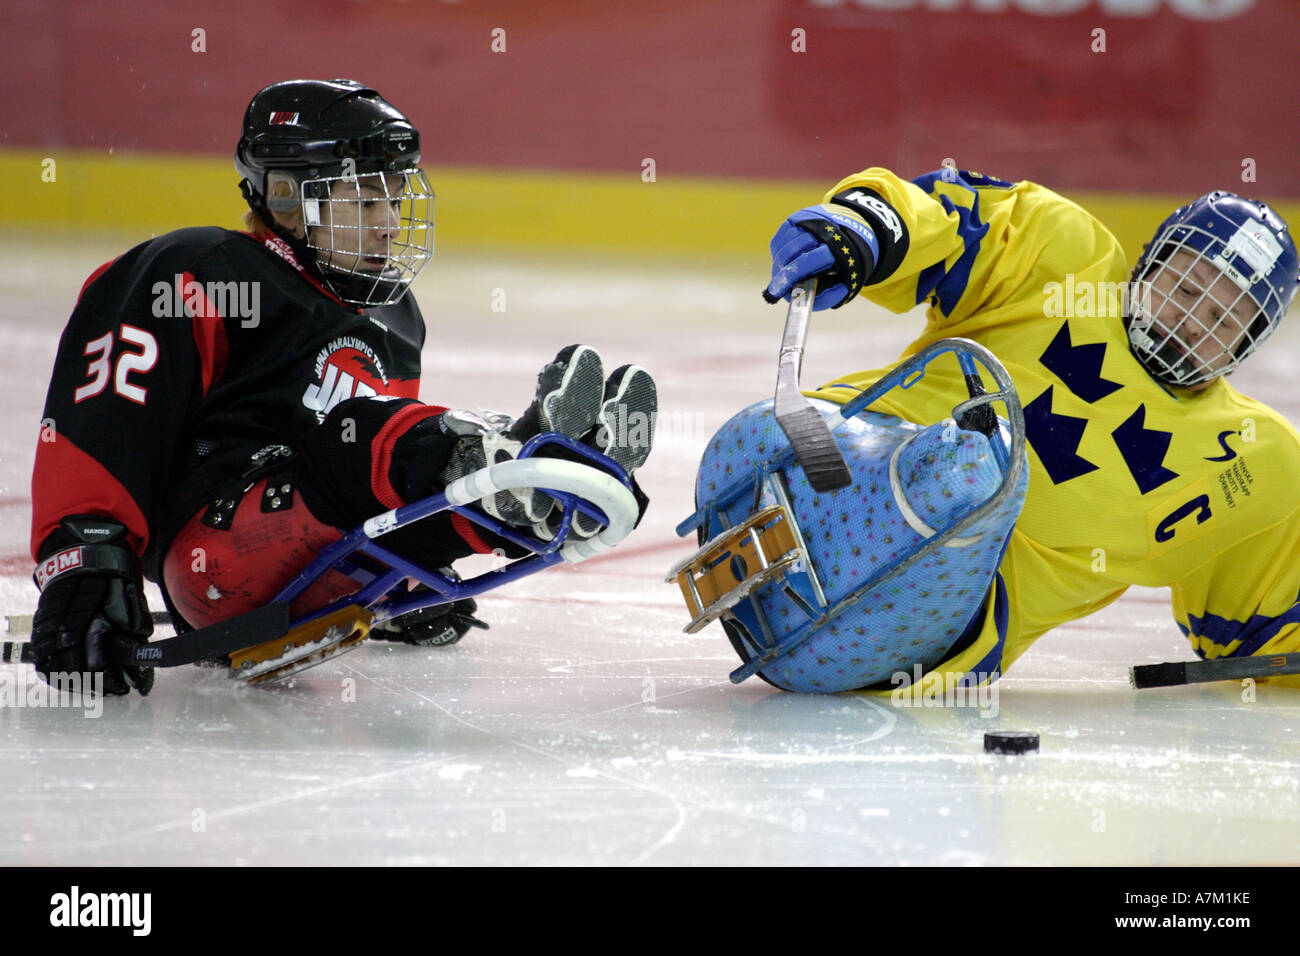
(1177, 673)
(606, 491)
(266, 623)
(814, 448)
(17, 624)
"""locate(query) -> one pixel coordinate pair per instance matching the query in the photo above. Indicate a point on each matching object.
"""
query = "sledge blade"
(307, 645)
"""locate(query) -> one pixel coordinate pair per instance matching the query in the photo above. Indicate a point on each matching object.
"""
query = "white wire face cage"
(372, 232)
(1186, 332)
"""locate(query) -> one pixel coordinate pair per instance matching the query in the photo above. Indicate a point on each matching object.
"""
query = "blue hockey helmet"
(1210, 288)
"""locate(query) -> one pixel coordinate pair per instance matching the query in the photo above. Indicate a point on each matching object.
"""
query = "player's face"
(1204, 313)
(359, 223)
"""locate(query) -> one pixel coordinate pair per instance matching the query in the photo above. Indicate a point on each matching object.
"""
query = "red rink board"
(1185, 92)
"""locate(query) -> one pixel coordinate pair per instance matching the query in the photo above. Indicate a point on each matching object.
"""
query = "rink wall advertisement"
(550, 114)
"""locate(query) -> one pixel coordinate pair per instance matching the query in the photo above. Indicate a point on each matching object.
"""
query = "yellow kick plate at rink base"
(735, 563)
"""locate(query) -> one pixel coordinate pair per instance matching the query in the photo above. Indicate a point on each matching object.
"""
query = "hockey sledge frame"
(350, 553)
(597, 487)
(268, 643)
(714, 561)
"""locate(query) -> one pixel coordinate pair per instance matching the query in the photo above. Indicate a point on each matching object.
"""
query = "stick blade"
(1223, 668)
(1172, 674)
(815, 448)
(253, 627)
(15, 652)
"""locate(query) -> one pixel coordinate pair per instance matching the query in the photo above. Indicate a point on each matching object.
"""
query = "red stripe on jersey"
(209, 331)
(95, 275)
(404, 387)
(463, 527)
(381, 450)
(67, 481)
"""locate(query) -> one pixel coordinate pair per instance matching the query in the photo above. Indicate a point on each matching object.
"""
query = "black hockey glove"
(437, 626)
(92, 609)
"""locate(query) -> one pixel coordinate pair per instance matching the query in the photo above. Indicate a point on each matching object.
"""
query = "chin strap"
(302, 252)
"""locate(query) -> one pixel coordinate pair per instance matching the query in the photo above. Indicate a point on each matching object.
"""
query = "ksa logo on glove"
(877, 209)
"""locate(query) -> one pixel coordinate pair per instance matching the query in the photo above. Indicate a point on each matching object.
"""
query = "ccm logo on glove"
(56, 564)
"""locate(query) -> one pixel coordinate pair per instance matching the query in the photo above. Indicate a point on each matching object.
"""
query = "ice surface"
(585, 727)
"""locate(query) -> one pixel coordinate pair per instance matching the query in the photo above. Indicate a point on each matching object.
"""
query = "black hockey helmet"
(343, 148)
(310, 127)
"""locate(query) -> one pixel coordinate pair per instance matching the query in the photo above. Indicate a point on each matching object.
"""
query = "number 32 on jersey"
(101, 368)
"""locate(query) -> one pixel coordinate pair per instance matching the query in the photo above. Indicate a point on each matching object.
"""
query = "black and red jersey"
(187, 354)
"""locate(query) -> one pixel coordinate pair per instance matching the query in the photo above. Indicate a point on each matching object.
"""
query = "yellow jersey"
(1131, 482)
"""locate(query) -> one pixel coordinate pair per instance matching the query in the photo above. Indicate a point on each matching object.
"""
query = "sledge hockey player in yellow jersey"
(1145, 466)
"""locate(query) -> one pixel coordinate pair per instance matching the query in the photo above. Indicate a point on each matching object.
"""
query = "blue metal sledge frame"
(1010, 460)
(380, 571)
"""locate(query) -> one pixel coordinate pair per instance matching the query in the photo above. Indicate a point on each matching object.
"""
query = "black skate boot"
(568, 396)
(624, 430)
(568, 399)
(437, 626)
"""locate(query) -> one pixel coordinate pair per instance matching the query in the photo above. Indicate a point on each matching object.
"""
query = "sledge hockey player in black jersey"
(224, 404)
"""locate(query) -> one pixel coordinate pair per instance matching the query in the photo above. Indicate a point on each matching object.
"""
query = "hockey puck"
(1010, 742)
